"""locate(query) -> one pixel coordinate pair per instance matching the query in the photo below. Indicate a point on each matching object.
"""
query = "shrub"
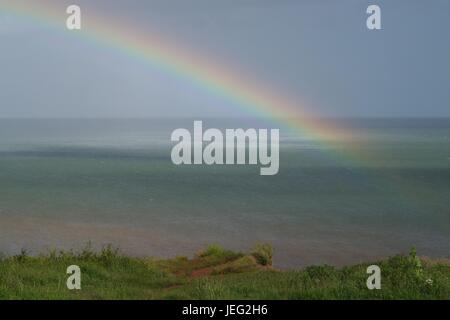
(263, 253)
(212, 250)
(416, 263)
(217, 253)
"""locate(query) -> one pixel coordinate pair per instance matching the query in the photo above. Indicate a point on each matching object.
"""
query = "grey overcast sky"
(319, 52)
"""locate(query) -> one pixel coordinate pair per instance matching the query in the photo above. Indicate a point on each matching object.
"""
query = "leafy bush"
(263, 253)
(216, 252)
(415, 262)
(212, 250)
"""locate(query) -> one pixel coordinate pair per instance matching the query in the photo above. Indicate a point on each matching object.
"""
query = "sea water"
(64, 183)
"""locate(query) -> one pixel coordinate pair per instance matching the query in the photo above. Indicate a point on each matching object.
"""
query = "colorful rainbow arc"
(211, 77)
(184, 64)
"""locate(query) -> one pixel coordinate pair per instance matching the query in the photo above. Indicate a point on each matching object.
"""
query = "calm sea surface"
(66, 182)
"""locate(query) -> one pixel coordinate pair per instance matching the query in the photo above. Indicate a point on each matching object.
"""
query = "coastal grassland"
(215, 273)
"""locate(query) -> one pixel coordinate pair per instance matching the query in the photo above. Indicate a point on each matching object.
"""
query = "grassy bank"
(215, 273)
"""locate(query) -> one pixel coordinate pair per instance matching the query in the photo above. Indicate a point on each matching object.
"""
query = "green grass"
(214, 273)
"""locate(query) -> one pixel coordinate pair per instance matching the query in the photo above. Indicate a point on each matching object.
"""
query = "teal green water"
(66, 182)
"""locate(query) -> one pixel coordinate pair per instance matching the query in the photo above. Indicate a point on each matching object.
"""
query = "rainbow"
(214, 78)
